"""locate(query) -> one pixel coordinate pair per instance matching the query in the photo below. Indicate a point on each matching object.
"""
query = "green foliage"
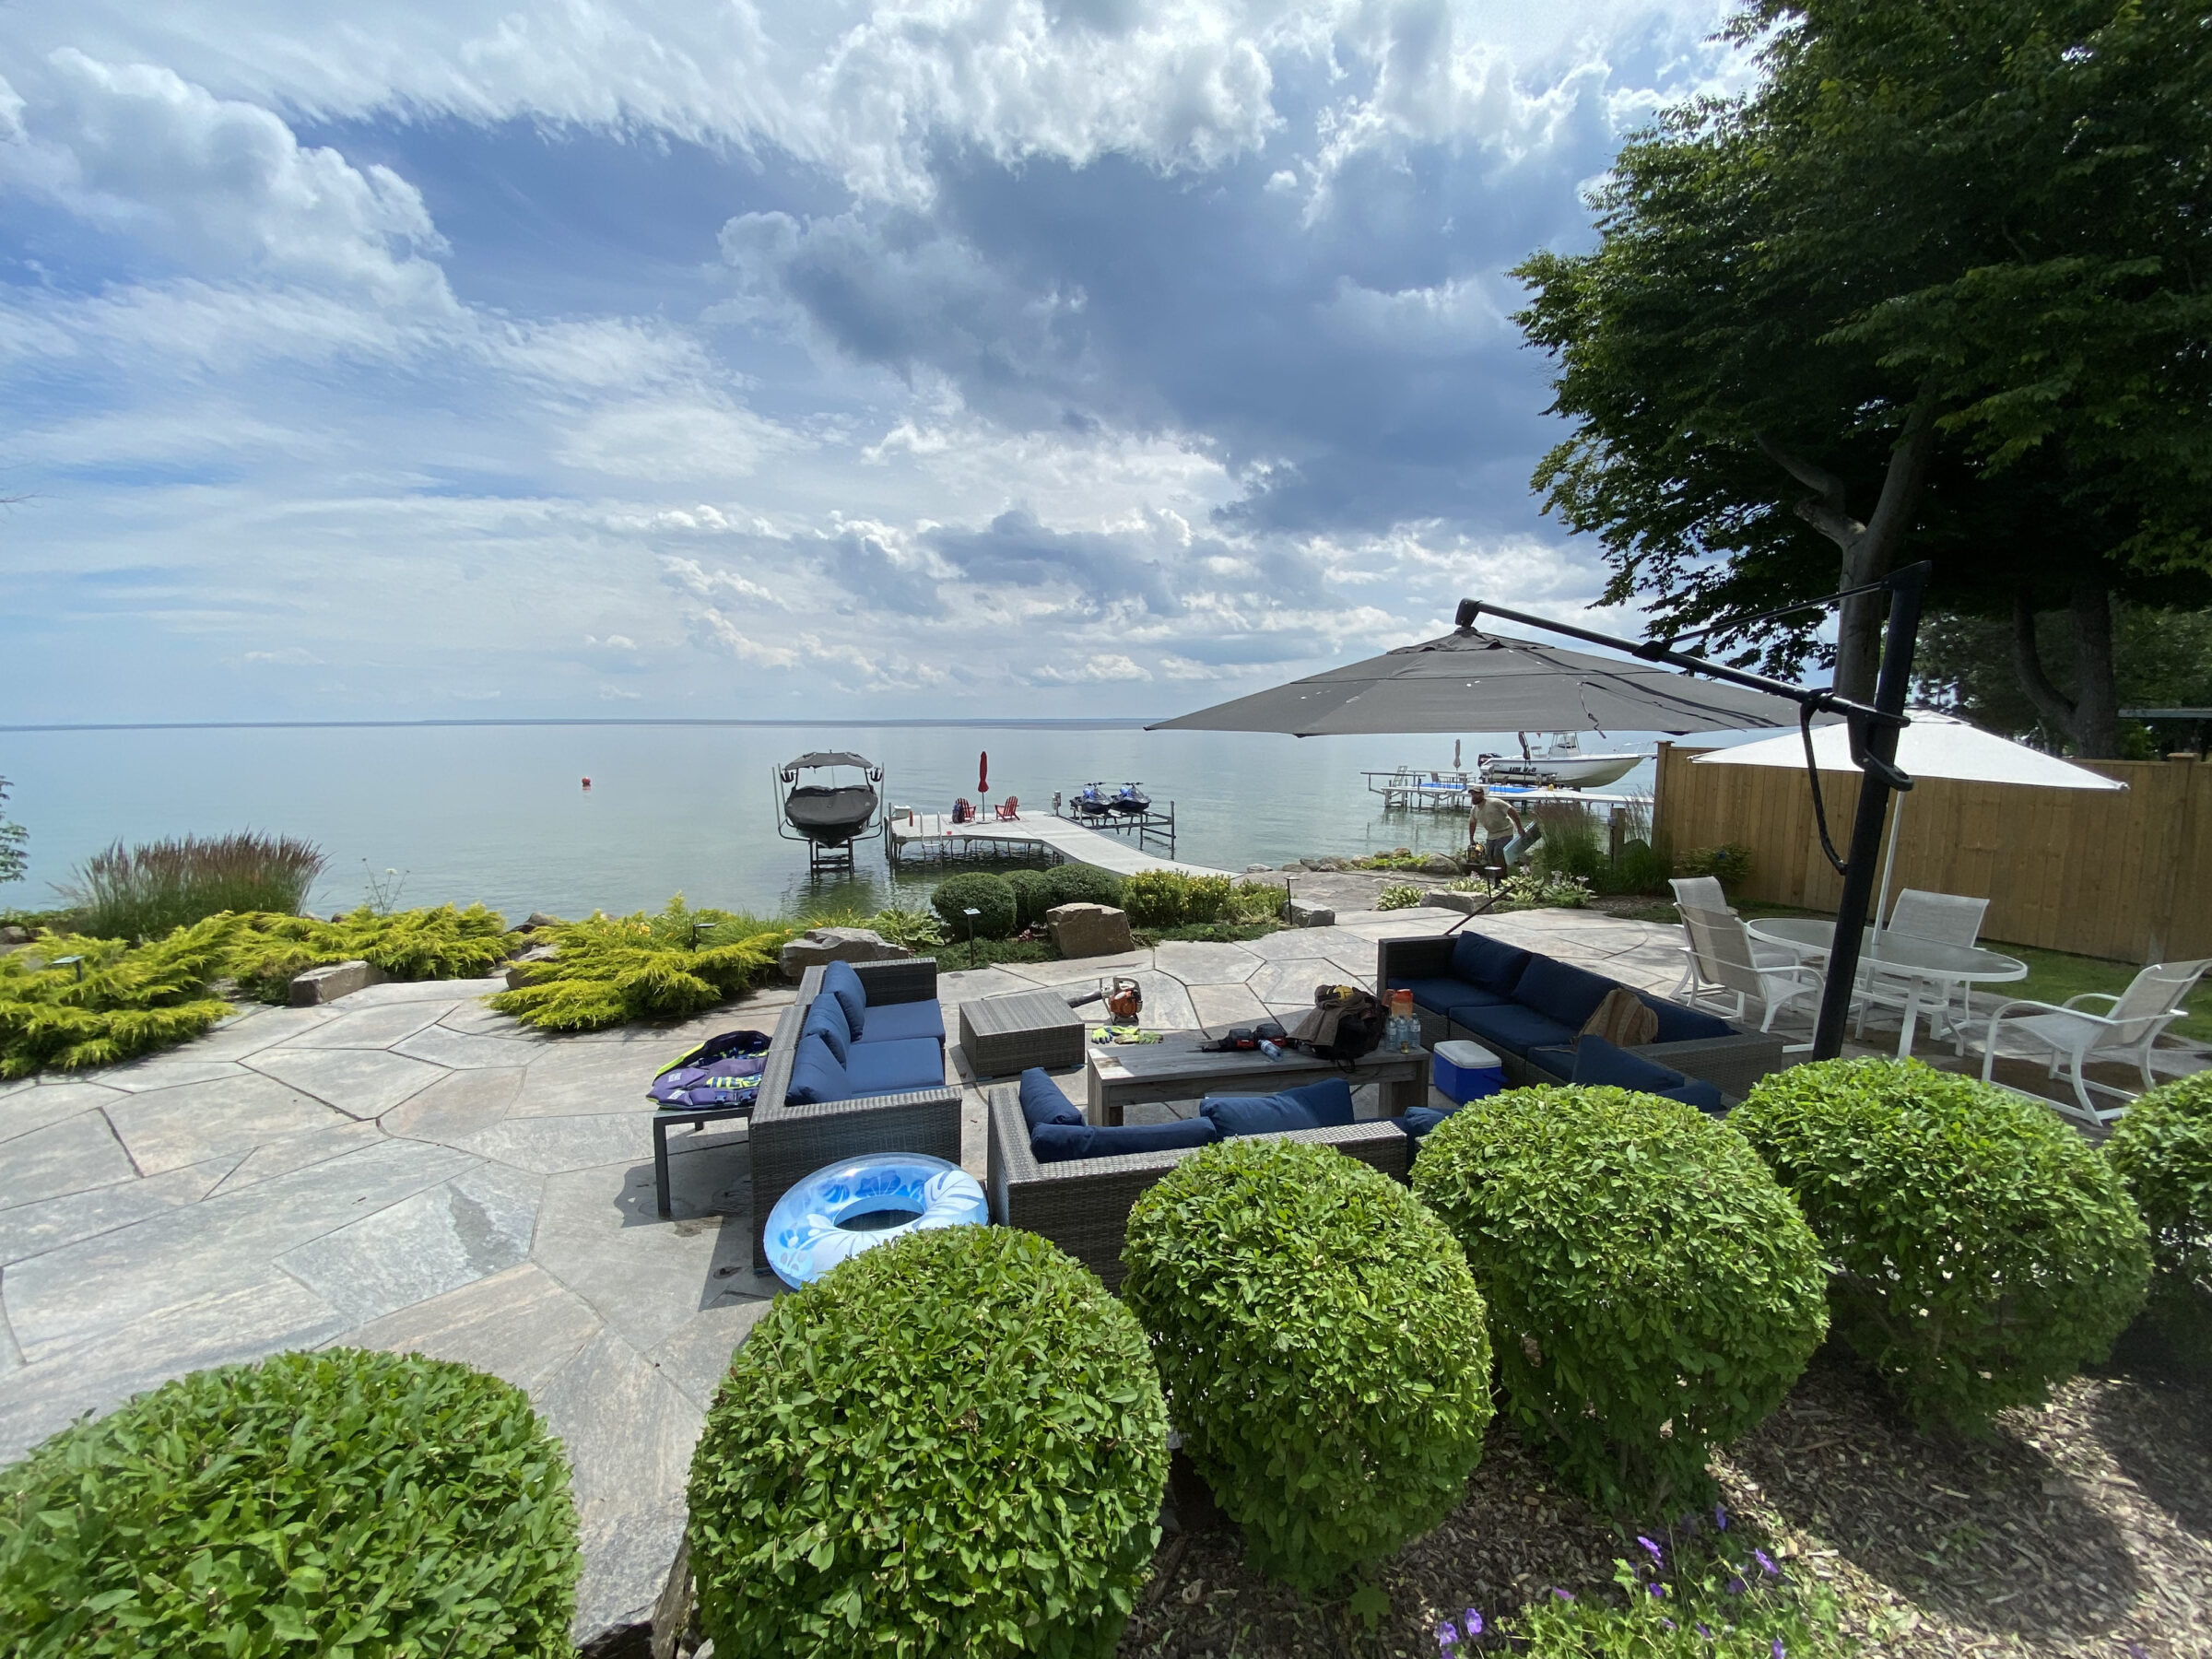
(15, 841)
(1172, 899)
(1641, 868)
(1250, 901)
(611, 970)
(1730, 864)
(1399, 896)
(918, 930)
(953, 1444)
(1653, 1292)
(1527, 889)
(1981, 1251)
(2162, 1147)
(441, 943)
(341, 1502)
(1082, 884)
(1032, 896)
(145, 891)
(1324, 1345)
(991, 896)
(131, 1000)
(1721, 1605)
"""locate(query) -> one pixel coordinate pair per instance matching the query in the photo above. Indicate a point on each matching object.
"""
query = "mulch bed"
(2084, 1528)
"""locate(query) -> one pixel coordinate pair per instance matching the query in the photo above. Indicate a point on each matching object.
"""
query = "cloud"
(1107, 668)
(289, 656)
(612, 642)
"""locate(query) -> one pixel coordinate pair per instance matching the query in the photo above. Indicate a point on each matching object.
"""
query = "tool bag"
(722, 1071)
(1346, 1023)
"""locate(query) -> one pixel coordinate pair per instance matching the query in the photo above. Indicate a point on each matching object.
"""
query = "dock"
(934, 834)
(1449, 791)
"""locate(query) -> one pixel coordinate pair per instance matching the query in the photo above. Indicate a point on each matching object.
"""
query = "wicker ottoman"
(1001, 1035)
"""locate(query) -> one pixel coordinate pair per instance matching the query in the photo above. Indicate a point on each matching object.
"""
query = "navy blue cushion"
(840, 981)
(1440, 994)
(1330, 1101)
(1678, 1024)
(1597, 1060)
(826, 1019)
(1696, 1091)
(816, 1075)
(1058, 1143)
(901, 1022)
(1042, 1103)
(1561, 991)
(1416, 1121)
(1490, 964)
(1557, 1059)
(879, 1068)
(1324, 1105)
(1511, 1026)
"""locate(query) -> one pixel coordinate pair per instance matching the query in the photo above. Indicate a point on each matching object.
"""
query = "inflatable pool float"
(808, 1235)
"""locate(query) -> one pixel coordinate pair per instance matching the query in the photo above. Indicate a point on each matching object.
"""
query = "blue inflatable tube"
(806, 1233)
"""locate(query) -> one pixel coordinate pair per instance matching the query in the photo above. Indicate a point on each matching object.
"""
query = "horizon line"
(249, 726)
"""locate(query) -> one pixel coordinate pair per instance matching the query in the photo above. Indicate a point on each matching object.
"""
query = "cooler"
(1464, 1071)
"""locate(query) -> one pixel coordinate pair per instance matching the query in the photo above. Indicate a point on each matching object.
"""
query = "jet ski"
(1090, 801)
(1131, 801)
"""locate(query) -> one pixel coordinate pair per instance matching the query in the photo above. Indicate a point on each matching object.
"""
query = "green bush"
(1254, 902)
(1399, 896)
(335, 1502)
(992, 895)
(1652, 1291)
(1721, 1603)
(145, 891)
(2162, 1147)
(430, 943)
(1173, 898)
(1324, 1346)
(1082, 884)
(1641, 868)
(918, 930)
(610, 970)
(131, 1001)
(1032, 896)
(1980, 1250)
(1729, 864)
(952, 1444)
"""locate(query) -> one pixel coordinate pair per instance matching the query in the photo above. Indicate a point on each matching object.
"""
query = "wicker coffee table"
(1004, 1034)
(1178, 1067)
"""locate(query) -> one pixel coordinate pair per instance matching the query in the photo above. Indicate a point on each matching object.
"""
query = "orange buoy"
(587, 782)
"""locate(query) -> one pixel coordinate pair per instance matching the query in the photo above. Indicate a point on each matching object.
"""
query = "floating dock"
(1450, 791)
(934, 835)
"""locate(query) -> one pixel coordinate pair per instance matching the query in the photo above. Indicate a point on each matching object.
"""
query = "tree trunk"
(2052, 704)
(2097, 707)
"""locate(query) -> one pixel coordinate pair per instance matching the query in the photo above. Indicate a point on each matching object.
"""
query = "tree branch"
(1824, 509)
(2028, 666)
(1900, 483)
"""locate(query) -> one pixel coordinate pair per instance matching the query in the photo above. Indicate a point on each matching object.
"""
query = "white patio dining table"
(1928, 964)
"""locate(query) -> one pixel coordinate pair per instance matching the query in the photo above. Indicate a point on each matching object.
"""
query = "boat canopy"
(818, 760)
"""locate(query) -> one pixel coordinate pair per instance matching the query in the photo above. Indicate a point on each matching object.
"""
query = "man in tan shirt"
(1494, 830)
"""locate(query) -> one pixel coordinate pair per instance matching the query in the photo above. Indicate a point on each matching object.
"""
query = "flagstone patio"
(406, 1170)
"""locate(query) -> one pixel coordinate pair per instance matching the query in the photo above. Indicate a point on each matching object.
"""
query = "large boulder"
(1090, 930)
(525, 958)
(1440, 864)
(328, 984)
(1300, 913)
(820, 944)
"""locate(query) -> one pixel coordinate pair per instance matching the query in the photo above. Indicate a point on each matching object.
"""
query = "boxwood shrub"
(1652, 1291)
(952, 1444)
(1081, 884)
(1980, 1250)
(1323, 1347)
(980, 890)
(1173, 898)
(334, 1502)
(2162, 1147)
(1032, 896)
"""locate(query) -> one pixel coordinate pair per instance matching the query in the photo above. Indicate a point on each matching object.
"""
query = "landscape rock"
(538, 920)
(1440, 864)
(1301, 914)
(1444, 899)
(820, 944)
(1090, 930)
(1258, 869)
(516, 979)
(319, 985)
(12, 935)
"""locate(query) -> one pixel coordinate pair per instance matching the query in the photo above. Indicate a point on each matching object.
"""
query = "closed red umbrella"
(982, 773)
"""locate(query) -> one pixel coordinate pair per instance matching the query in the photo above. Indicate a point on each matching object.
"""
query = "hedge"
(1323, 1347)
(990, 895)
(341, 1502)
(2162, 1147)
(1032, 896)
(1081, 884)
(1981, 1250)
(1653, 1293)
(951, 1444)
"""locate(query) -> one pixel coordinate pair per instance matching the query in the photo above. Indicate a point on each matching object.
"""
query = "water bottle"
(1273, 1050)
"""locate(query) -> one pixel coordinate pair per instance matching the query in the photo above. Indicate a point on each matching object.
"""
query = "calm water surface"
(497, 813)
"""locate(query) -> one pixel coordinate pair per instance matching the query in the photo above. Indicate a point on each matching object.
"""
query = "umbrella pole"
(1876, 741)
(1896, 818)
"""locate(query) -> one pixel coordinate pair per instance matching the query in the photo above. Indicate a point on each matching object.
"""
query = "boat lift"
(829, 816)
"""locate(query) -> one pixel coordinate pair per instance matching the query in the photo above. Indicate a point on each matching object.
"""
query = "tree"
(13, 842)
(1968, 666)
(1949, 256)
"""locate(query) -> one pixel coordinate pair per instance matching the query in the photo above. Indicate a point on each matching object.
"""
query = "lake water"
(497, 813)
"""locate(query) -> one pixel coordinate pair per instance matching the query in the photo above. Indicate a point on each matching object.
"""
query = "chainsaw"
(1125, 1000)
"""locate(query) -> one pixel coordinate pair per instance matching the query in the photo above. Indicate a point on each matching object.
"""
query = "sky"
(707, 358)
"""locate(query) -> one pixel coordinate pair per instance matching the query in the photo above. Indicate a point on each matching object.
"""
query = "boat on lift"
(1131, 801)
(1562, 765)
(831, 811)
(1091, 801)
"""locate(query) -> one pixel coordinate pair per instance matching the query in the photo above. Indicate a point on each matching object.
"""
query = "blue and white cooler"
(1464, 1071)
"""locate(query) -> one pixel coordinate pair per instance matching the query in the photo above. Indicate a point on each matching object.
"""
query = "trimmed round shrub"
(2162, 1147)
(341, 1501)
(993, 895)
(952, 1444)
(1980, 1250)
(1323, 1345)
(1653, 1292)
(1032, 896)
(1081, 884)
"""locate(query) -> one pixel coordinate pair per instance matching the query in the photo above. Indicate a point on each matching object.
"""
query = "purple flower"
(1703, 1631)
(1666, 1624)
(1766, 1564)
(1447, 1634)
(1562, 1594)
(1474, 1622)
(1778, 1654)
(1735, 1586)
(1657, 1590)
(1720, 1517)
(1650, 1548)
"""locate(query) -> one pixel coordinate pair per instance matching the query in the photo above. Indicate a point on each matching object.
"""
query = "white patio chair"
(1947, 918)
(2074, 1036)
(1704, 893)
(1726, 953)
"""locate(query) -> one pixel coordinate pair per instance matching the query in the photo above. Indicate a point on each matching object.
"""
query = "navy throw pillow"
(1061, 1143)
(826, 1019)
(1489, 963)
(1330, 1101)
(1678, 1024)
(1597, 1060)
(1696, 1091)
(1416, 1121)
(1042, 1101)
(1324, 1105)
(816, 1075)
(1561, 991)
(840, 981)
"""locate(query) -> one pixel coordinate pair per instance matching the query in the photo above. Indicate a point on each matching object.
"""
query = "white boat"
(1562, 765)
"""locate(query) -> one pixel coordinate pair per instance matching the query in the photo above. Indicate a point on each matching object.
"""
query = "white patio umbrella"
(1933, 746)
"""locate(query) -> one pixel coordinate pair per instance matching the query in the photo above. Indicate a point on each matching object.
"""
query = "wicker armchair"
(789, 1143)
(1083, 1205)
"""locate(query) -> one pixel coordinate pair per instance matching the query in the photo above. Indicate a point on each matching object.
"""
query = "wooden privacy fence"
(2099, 873)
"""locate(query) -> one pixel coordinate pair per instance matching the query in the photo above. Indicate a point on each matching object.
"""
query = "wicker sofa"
(790, 1142)
(1718, 1052)
(1083, 1205)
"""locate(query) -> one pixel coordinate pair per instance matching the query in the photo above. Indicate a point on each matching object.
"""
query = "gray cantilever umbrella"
(1472, 681)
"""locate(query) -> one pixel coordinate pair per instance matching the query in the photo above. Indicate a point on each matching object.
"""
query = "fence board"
(2127, 877)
